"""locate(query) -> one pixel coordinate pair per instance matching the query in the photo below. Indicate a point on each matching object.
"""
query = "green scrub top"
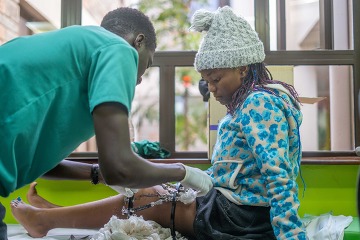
(50, 84)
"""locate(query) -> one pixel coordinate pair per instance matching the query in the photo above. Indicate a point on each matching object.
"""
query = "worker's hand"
(198, 180)
(128, 192)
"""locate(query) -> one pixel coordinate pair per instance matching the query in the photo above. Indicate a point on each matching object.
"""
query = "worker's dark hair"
(123, 21)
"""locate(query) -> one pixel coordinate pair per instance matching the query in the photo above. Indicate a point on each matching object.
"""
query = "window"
(323, 48)
(329, 121)
(190, 111)
(27, 17)
(325, 65)
(310, 25)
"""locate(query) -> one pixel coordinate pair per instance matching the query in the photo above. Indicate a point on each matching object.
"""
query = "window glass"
(302, 33)
(145, 107)
(306, 33)
(190, 111)
(342, 16)
(273, 16)
(50, 11)
(327, 124)
(28, 17)
(245, 9)
(93, 11)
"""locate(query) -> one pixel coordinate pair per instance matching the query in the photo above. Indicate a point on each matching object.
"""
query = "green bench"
(329, 188)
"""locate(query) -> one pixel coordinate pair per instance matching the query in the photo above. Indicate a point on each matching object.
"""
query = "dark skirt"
(218, 218)
(3, 228)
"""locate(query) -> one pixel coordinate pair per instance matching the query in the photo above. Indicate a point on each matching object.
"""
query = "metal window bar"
(71, 12)
(281, 25)
(262, 22)
(326, 24)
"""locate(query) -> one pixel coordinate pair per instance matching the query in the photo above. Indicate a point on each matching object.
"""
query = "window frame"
(167, 61)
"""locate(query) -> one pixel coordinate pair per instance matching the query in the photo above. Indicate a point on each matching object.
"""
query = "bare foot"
(31, 218)
(37, 201)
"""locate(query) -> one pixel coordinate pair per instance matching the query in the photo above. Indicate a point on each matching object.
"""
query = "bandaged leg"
(173, 193)
(139, 228)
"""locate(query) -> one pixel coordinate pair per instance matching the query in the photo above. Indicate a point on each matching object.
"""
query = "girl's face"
(224, 82)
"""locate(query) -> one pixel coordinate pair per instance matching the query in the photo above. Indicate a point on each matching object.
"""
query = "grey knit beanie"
(230, 41)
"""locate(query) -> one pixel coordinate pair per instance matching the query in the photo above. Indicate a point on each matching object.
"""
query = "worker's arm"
(71, 170)
(119, 165)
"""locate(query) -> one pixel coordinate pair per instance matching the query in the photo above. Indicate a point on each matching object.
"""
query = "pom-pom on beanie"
(230, 41)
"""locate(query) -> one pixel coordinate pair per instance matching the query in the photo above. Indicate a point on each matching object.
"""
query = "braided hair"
(257, 78)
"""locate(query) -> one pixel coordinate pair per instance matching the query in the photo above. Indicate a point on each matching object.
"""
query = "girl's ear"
(243, 70)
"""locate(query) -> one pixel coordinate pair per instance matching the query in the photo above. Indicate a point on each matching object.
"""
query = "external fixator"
(174, 192)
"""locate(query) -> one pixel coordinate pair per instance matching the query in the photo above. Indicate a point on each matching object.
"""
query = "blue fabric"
(256, 158)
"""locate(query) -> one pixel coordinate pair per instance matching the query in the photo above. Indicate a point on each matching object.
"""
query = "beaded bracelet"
(95, 174)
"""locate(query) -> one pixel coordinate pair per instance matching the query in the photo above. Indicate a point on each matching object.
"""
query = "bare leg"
(38, 221)
(37, 201)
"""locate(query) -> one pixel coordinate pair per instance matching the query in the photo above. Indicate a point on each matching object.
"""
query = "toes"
(33, 186)
(16, 202)
(13, 203)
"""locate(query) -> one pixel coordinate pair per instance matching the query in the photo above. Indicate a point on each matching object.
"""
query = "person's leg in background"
(3, 227)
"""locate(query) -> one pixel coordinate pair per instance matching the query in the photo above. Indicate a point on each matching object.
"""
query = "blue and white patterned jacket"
(256, 158)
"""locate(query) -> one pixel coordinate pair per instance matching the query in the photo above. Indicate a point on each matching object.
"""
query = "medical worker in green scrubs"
(60, 88)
